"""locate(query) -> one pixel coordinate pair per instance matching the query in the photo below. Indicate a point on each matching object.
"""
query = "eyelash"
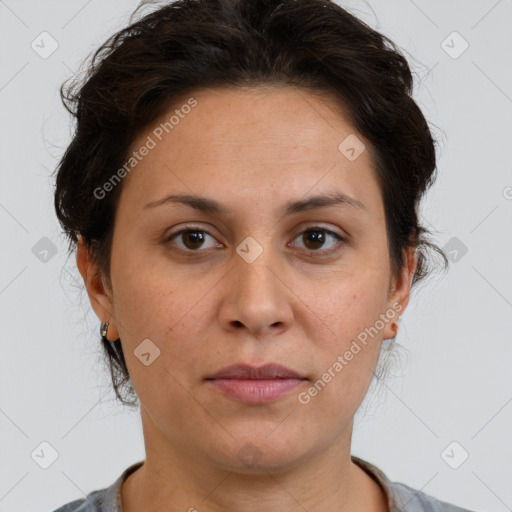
(189, 229)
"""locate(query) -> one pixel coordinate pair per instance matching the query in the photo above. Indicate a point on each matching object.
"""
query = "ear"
(400, 292)
(99, 295)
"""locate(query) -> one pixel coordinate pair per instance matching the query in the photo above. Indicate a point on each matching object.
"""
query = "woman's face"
(250, 284)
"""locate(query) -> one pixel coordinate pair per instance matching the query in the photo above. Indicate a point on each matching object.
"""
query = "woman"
(243, 190)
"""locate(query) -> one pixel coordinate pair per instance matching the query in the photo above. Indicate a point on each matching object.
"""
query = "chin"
(261, 453)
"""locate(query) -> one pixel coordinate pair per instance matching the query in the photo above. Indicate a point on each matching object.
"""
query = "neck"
(172, 480)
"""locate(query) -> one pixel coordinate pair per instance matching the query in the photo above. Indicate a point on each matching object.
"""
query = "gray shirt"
(401, 497)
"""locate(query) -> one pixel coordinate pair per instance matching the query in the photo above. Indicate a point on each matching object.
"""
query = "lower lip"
(252, 391)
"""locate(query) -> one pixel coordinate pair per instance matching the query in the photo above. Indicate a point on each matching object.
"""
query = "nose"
(256, 296)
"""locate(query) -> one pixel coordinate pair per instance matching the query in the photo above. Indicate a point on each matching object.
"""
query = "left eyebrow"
(208, 205)
(322, 201)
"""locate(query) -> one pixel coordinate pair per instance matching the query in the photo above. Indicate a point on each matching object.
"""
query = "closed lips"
(266, 372)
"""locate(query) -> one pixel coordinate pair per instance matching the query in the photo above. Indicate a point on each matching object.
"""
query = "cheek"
(173, 327)
(348, 348)
(349, 305)
(151, 299)
(172, 314)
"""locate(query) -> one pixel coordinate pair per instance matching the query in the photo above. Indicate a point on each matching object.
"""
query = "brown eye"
(192, 239)
(316, 237)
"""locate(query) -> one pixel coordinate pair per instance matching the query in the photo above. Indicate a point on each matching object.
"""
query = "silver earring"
(104, 329)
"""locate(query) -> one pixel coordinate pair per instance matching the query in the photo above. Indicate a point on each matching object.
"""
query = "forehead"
(276, 142)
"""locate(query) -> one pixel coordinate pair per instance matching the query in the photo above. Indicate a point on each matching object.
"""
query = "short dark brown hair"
(188, 45)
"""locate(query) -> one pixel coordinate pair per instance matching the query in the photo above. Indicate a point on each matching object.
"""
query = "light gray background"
(455, 384)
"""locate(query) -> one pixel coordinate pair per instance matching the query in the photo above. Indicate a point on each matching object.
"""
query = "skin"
(252, 150)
